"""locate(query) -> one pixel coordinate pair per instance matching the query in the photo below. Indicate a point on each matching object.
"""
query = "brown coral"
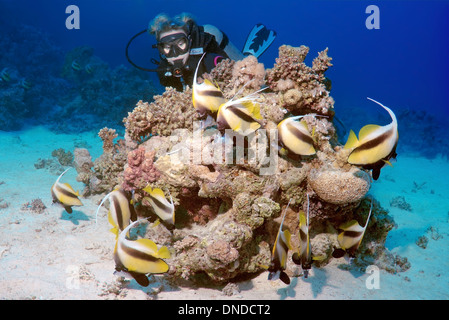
(303, 87)
(170, 111)
(107, 136)
(228, 213)
(338, 186)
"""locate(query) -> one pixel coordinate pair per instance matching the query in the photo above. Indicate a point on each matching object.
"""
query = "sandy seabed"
(54, 255)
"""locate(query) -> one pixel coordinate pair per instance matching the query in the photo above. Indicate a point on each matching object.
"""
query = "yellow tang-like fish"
(64, 194)
(139, 257)
(375, 146)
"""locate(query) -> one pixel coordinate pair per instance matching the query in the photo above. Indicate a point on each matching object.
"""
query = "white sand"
(54, 255)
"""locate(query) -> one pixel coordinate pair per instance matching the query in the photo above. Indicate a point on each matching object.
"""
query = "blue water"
(404, 63)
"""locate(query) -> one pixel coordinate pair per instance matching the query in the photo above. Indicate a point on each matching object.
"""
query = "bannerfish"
(279, 254)
(139, 257)
(303, 256)
(121, 210)
(295, 136)
(375, 146)
(89, 69)
(76, 66)
(161, 206)
(4, 75)
(26, 84)
(64, 194)
(206, 97)
(351, 237)
(241, 115)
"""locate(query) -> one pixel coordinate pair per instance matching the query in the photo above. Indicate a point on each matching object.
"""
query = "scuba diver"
(181, 44)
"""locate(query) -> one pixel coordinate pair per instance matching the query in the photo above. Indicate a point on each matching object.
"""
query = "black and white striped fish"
(161, 206)
(139, 257)
(351, 237)
(121, 210)
(206, 97)
(279, 254)
(295, 136)
(375, 146)
(304, 256)
(64, 194)
(241, 115)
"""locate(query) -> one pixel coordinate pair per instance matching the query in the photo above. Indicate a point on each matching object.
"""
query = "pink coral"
(140, 170)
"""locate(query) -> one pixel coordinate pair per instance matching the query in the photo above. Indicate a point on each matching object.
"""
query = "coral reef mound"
(229, 191)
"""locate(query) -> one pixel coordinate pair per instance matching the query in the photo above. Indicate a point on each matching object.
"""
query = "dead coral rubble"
(227, 214)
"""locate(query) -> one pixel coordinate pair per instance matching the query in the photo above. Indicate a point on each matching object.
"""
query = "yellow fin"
(209, 83)
(288, 236)
(347, 225)
(150, 245)
(352, 141)
(319, 258)
(388, 162)
(157, 192)
(163, 253)
(366, 130)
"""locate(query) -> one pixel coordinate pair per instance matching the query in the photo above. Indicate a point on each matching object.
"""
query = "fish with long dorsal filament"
(279, 254)
(121, 210)
(303, 256)
(64, 194)
(139, 257)
(351, 237)
(375, 146)
(206, 97)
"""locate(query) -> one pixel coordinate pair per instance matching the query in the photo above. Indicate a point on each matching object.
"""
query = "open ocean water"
(403, 63)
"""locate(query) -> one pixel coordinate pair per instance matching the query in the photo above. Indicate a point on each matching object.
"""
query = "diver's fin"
(258, 40)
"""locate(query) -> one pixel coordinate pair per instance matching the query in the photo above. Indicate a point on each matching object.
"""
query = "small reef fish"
(76, 66)
(279, 254)
(206, 97)
(161, 206)
(121, 210)
(303, 256)
(26, 84)
(4, 75)
(89, 69)
(295, 137)
(64, 194)
(351, 237)
(139, 257)
(375, 146)
(241, 115)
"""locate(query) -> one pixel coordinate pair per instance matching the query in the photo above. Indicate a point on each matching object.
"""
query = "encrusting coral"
(229, 198)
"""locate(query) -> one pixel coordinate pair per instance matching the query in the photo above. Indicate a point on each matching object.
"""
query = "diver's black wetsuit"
(200, 40)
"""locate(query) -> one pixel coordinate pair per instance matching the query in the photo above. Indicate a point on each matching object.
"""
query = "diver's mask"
(175, 49)
(173, 45)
